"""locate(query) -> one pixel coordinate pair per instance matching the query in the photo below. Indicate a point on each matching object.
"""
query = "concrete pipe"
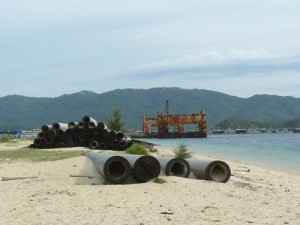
(102, 145)
(60, 133)
(144, 167)
(91, 125)
(122, 143)
(115, 169)
(214, 170)
(45, 128)
(41, 135)
(101, 126)
(104, 133)
(174, 166)
(62, 126)
(72, 125)
(87, 120)
(48, 140)
(51, 133)
(81, 125)
(37, 142)
(120, 135)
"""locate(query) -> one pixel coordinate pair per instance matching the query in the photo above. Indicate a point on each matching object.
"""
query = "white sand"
(261, 196)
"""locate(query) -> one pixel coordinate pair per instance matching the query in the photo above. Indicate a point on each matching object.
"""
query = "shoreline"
(253, 195)
(267, 164)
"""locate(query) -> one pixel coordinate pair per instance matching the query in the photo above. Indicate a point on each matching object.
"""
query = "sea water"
(280, 150)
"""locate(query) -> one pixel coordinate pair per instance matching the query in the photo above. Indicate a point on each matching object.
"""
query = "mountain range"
(20, 112)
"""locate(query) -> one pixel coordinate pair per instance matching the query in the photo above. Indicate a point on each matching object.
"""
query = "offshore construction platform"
(178, 122)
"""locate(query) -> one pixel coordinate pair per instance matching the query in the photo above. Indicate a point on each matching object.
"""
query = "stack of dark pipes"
(87, 133)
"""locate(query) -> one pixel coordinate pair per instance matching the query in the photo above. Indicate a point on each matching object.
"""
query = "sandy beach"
(253, 195)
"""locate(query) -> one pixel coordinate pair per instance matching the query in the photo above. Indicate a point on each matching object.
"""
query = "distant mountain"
(19, 112)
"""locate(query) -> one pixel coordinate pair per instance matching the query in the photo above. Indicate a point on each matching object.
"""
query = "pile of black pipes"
(86, 133)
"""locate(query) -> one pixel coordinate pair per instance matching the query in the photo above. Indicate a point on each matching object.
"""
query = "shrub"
(137, 149)
(181, 151)
(6, 138)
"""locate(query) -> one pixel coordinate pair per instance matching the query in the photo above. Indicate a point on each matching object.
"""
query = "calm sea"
(280, 150)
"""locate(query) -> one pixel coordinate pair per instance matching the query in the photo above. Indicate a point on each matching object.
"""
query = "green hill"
(20, 112)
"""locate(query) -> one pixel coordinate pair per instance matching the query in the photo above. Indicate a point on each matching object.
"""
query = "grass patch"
(28, 154)
(137, 149)
(158, 180)
(181, 151)
(6, 138)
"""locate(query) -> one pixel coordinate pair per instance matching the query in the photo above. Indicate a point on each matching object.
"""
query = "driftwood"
(167, 213)
(248, 170)
(16, 178)
(90, 177)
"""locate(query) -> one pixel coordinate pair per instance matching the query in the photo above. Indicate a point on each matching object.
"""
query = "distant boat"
(296, 130)
(218, 131)
(240, 131)
(263, 130)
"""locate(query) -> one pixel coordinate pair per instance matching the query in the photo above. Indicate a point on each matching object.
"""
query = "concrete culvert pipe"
(113, 168)
(41, 135)
(173, 166)
(144, 167)
(45, 128)
(91, 125)
(102, 146)
(72, 125)
(62, 126)
(37, 142)
(49, 140)
(88, 119)
(80, 125)
(214, 170)
(60, 133)
(101, 126)
(51, 133)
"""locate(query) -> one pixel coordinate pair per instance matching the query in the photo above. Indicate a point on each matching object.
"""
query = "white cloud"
(103, 45)
(234, 62)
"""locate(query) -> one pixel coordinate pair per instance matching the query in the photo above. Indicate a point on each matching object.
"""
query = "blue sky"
(241, 48)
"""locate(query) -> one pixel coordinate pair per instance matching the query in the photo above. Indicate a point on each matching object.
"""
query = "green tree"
(115, 122)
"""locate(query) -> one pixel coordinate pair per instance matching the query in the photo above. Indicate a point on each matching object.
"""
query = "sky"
(51, 47)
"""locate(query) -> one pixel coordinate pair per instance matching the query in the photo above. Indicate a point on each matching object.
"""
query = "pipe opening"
(91, 125)
(117, 169)
(45, 128)
(86, 119)
(48, 140)
(41, 135)
(218, 173)
(122, 143)
(82, 138)
(80, 125)
(72, 125)
(55, 126)
(102, 146)
(178, 169)
(94, 144)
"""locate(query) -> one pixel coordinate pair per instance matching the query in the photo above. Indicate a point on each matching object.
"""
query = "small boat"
(296, 130)
(240, 131)
(218, 131)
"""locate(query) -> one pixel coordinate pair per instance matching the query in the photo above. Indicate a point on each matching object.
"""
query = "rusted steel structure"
(164, 121)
